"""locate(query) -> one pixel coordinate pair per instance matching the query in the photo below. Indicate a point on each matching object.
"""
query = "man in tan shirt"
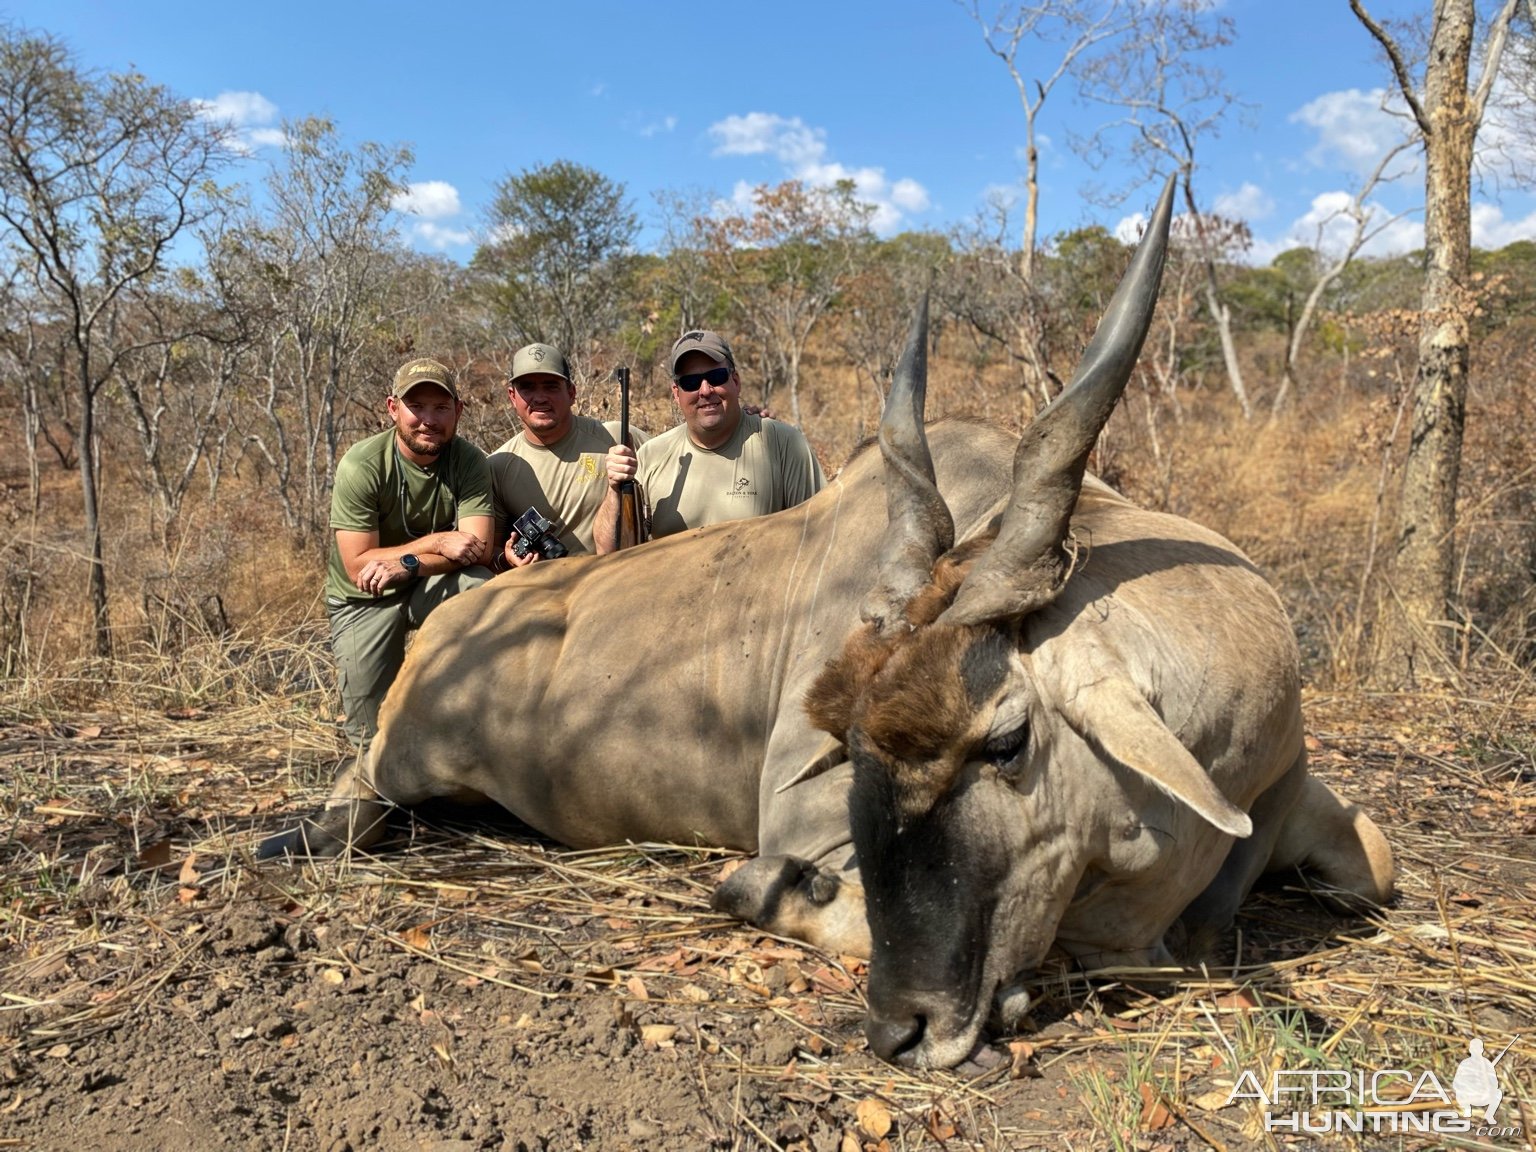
(720, 463)
(556, 464)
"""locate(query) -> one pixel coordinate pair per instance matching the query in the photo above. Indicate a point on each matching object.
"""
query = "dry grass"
(126, 824)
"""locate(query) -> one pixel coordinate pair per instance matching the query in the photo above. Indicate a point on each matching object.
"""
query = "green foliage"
(558, 262)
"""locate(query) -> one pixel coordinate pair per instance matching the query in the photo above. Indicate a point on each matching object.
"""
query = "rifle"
(629, 507)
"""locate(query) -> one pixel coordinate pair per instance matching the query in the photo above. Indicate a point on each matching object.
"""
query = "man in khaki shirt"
(719, 464)
(556, 464)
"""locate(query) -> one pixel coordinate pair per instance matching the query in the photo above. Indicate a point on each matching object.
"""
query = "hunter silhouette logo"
(1476, 1084)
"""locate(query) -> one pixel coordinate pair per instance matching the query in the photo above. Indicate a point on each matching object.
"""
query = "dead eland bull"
(1077, 726)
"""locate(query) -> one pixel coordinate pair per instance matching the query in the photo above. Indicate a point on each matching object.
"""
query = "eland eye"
(1002, 748)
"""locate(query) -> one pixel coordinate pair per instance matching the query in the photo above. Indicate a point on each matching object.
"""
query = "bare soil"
(473, 987)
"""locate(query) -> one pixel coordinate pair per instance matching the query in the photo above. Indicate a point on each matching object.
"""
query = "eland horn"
(921, 528)
(1027, 563)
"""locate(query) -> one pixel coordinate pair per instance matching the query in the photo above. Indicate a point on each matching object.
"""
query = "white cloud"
(429, 199)
(246, 114)
(1354, 128)
(909, 195)
(655, 127)
(440, 237)
(432, 203)
(803, 151)
(1491, 230)
(1130, 228)
(241, 109)
(1248, 203)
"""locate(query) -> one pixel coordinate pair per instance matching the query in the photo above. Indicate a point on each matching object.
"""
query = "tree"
(99, 177)
(1447, 111)
(1169, 99)
(557, 257)
(316, 270)
(1081, 30)
(783, 262)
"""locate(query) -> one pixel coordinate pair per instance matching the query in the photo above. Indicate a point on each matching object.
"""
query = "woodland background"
(186, 357)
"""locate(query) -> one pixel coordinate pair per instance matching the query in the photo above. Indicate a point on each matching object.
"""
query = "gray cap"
(539, 358)
(703, 341)
(423, 370)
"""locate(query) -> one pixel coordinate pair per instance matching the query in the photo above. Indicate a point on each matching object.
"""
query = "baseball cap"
(423, 370)
(539, 358)
(703, 341)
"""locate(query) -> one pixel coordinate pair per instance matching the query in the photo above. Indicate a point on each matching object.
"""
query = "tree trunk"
(89, 489)
(1413, 635)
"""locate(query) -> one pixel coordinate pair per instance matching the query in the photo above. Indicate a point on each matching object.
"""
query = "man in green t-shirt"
(411, 513)
(720, 463)
(556, 464)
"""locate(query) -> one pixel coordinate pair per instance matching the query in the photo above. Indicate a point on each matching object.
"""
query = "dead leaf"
(189, 895)
(443, 1054)
(850, 1143)
(333, 976)
(418, 937)
(1240, 1001)
(58, 1052)
(1212, 1101)
(1155, 1115)
(89, 732)
(1023, 1060)
(940, 1127)
(874, 1117)
(657, 1034)
(637, 988)
(157, 855)
(189, 873)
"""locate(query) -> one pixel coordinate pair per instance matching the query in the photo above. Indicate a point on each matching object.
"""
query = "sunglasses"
(693, 381)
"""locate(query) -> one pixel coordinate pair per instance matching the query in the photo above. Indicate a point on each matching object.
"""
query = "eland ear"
(1112, 714)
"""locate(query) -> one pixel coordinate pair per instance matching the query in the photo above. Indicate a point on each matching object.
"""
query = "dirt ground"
(472, 987)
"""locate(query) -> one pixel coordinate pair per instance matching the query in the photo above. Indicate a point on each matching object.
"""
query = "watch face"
(411, 563)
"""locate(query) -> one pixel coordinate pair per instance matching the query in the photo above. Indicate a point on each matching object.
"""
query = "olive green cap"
(709, 343)
(423, 370)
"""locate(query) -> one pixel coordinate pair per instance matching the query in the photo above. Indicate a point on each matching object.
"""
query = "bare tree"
(1170, 98)
(317, 268)
(1365, 223)
(1448, 110)
(1079, 27)
(99, 176)
(783, 263)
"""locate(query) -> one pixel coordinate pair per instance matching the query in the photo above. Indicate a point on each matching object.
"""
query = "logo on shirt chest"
(588, 467)
(743, 487)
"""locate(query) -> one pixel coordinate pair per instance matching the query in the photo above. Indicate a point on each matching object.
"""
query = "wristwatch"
(411, 565)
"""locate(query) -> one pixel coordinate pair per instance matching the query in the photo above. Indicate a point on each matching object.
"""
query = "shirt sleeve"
(472, 483)
(797, 464)
(355, 496)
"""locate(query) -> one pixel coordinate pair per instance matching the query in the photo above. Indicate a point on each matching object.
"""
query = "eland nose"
(894, 1038)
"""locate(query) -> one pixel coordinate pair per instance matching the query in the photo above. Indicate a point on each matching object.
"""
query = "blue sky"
(901, 95)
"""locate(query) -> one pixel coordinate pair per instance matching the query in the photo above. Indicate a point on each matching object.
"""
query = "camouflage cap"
(423, 370)
(706, 342)
(539, 358)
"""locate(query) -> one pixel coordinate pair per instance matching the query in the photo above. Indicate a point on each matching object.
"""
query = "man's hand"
(513, 560)
(378, 575)
(757, 410)
(621, 465)
(463, 548)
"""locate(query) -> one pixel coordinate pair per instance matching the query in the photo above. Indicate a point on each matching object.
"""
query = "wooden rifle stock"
(627, 523)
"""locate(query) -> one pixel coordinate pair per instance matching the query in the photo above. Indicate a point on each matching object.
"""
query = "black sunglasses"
(693, 381)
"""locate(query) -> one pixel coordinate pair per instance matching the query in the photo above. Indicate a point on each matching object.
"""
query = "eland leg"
(1205, 924)
(1340, 844)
